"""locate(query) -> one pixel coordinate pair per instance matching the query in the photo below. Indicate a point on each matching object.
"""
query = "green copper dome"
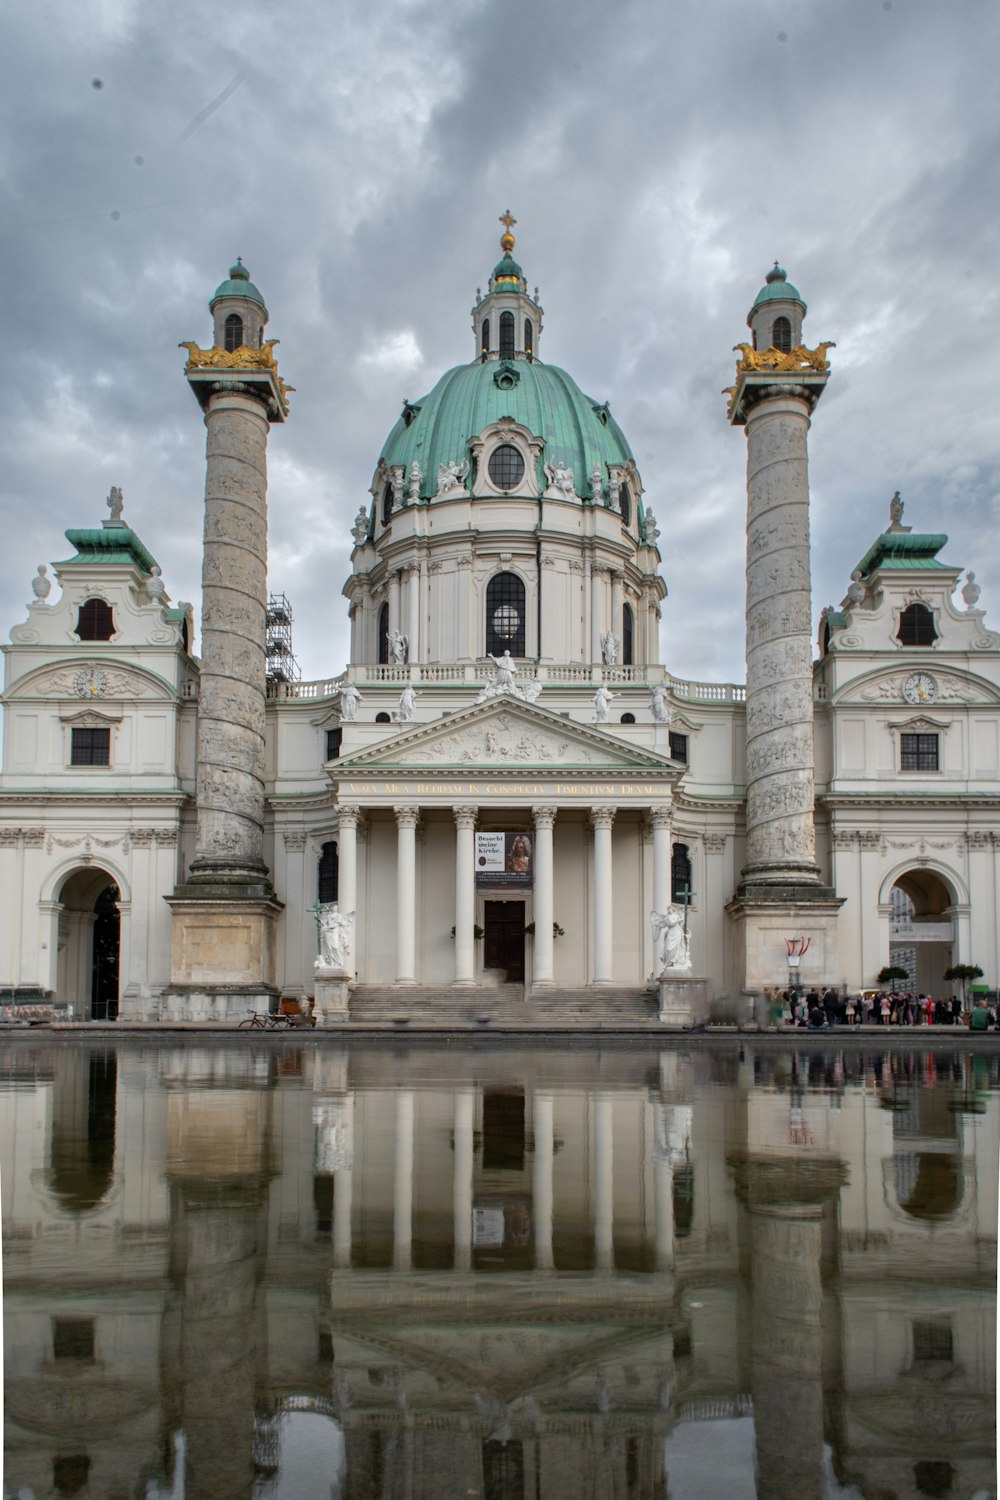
(238, 285)
(507, 269)
(544, 399)
(778, 288)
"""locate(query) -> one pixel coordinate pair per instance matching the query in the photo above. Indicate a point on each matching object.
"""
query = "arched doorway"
(89, 944)
(921, 929)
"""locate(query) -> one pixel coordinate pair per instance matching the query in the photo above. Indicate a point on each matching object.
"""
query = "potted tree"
(963, 973)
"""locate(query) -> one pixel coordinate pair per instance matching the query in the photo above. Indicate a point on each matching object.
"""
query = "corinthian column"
(544, 954)
(602, 818)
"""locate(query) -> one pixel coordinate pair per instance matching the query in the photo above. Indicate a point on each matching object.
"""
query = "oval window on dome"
(506, 466)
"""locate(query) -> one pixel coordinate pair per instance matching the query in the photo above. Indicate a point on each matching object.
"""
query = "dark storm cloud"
(657, 158)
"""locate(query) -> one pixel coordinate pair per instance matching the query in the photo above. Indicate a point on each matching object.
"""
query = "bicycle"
(256, 1021)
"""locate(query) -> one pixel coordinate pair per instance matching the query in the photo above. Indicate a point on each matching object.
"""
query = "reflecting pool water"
(314, 1270)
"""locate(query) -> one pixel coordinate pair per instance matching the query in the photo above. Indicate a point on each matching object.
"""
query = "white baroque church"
(505, 791)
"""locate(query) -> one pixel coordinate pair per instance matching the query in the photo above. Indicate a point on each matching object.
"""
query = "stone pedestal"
(222, 959)
(683, 999)
(760, 927)
(333, 993)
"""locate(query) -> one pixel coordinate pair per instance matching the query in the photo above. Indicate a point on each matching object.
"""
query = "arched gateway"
(89, 944)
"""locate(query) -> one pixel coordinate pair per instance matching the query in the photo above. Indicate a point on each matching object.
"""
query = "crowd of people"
(820, 1011)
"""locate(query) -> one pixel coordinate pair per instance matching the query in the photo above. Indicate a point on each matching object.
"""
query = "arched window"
(680, 871)
(529, 336)
(628, 718)
(328, 877)
(625, 504)
(383, 634)
(506, 466)
(916, 626)
(96, 621)
(505, 615)
(387, 505)
(382, 718)
(234, 331)
(628, 635)
(486, 335)
(781, 335)
(506, 334)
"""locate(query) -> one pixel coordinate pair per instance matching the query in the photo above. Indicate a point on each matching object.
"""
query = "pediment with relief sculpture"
(504, 732)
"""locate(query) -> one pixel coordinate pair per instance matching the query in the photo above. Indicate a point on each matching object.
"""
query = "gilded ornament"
(777, 360)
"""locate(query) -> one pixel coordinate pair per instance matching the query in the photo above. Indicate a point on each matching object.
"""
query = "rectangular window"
(334, 740)
(919, 752)
(932, 1341)
(73, 1338)
(679, 747)
(90, 747)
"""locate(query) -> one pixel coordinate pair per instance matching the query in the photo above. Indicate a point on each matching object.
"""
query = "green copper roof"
(108, 544)
(543, 398)
(777, 288)
(238, 285)
(903, 549)
(507, 267)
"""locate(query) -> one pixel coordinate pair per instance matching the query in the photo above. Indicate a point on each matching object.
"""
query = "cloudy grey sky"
(658, 155)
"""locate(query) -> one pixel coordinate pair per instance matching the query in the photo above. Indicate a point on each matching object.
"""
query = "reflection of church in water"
(169, 823)
(542, 1285)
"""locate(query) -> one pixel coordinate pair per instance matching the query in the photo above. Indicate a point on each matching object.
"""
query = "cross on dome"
(507, 239)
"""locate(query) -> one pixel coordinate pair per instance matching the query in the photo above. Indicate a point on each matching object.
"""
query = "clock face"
(91, 683)
(920, 687)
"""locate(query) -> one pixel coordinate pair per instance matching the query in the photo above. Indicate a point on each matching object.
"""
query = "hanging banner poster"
(504, 861)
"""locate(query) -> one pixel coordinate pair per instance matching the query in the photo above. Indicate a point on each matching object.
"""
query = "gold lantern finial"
(507, 239)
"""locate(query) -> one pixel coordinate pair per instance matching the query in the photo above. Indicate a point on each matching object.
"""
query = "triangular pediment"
(504, 732)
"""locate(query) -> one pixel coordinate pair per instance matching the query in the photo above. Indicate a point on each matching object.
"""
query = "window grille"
(506, 335)
(916, 626)
(334, 740)
(506, 466)
(329, 870)
(96, 621)
(628, 635)
(383, 635)
(679, 747)
(90, 747)
(933, 1341)
(919, 752)
(234, 332)
(781, 335)
(505, 615)
(486, 335)
(680, 871)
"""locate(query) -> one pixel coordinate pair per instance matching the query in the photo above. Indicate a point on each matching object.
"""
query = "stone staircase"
(505, 1008)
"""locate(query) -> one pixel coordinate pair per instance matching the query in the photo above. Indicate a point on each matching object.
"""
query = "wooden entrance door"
(503, 946)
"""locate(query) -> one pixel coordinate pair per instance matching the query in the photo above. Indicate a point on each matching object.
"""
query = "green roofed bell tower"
(507, 322)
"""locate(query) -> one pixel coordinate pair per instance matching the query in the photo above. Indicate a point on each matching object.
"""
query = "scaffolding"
(281, 663)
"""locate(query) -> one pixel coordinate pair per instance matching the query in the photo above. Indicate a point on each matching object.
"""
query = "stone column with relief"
(781, 891)
(224, 914)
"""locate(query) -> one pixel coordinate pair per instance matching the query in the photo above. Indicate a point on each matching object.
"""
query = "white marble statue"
(855, 589)
(971, 591)
(396, 473)
(156, 589)
(451, 474)
(116, 504)
(531, 692)
(609, 648)
(398, 646)
(41, 584)
(675, 953)
(403, 712)
(349, 700)
(615, 488)
(597, 485)
(335, 932)
(359, 531)
(652, 530)
(560, 478)
(415, 478)
(658, 705)
(602, 702)
(505, 671)
(895, 512)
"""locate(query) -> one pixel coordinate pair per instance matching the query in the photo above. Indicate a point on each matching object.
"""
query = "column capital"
(659, 817)
(544, 815)
(465, 817)
(407, 817)
(602, 817)
(349, 816)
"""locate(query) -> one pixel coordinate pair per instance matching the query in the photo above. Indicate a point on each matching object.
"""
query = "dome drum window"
(386, 504)
(506, 335)
(505, 615)
(625, 504)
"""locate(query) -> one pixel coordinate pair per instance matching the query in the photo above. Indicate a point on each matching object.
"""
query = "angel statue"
(676, 950)
(334, 936)
(560, 478)
(451, 474)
